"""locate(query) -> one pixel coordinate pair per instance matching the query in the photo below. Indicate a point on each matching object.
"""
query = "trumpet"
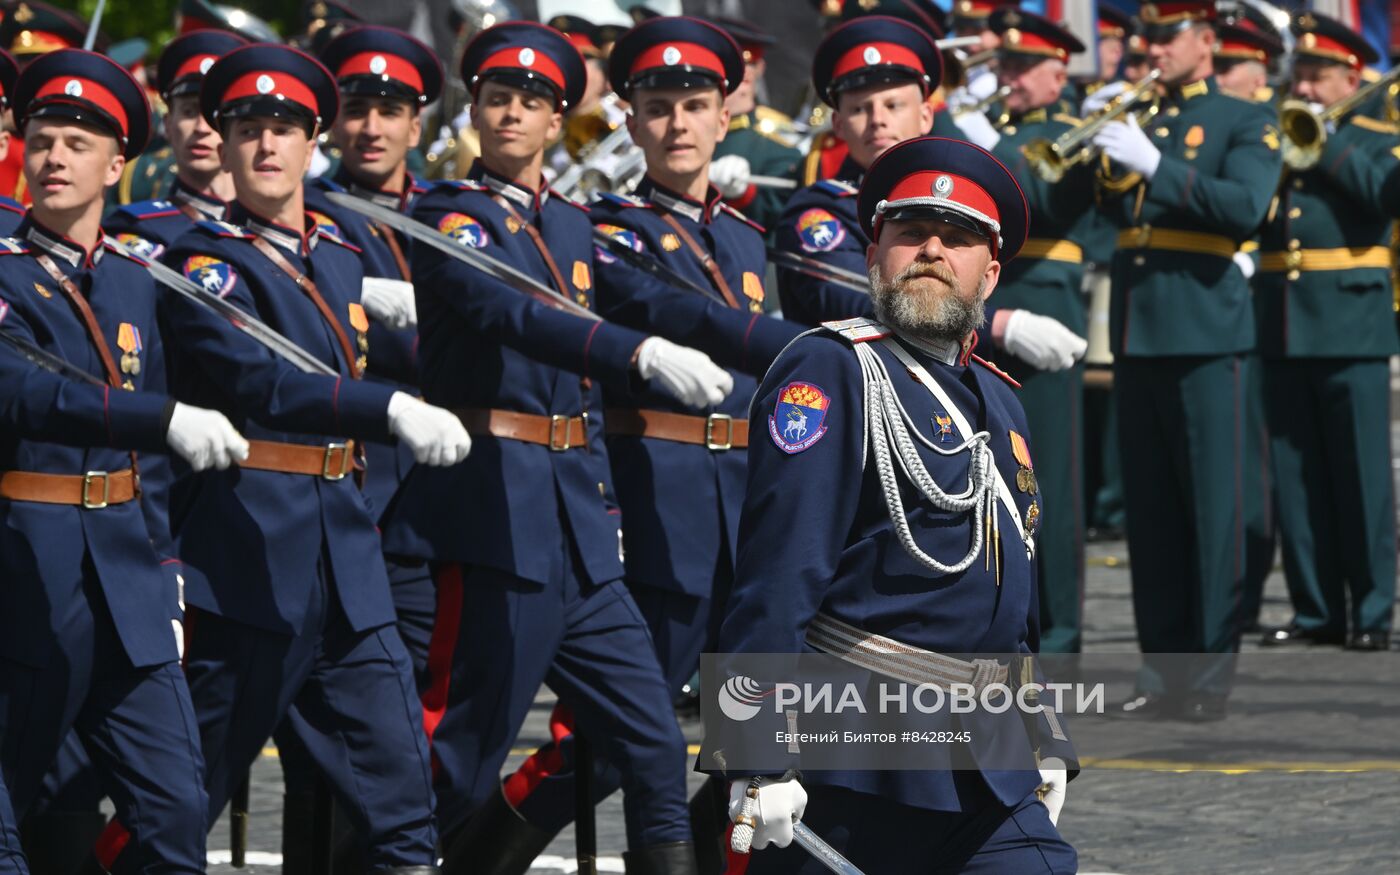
(984, 104)
(1051, 159)
(1305, 130)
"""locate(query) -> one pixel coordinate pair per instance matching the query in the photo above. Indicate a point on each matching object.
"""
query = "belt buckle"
(1144, 236)
(710, 442)
(326, 472)
(556, 420)
(88, 479)
(1293, 259)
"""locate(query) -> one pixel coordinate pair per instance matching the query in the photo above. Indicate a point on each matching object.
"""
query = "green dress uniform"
(1181, 327)
(758, 136)
(1046, 278)
(1326, 335)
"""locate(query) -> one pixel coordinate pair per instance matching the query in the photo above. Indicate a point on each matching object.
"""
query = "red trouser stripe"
(441, 646)
(547, 760)
(110, 843)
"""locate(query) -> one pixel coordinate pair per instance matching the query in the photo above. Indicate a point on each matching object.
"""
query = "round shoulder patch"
(464, 229)
(140, 246)
(819, 230)
(325, 223)
(799, 418)
(623, 235)
(211, 274)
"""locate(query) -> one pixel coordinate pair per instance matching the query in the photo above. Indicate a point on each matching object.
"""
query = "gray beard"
(940, 316)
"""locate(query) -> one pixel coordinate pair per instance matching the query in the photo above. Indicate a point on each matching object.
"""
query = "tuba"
(1051, 159)
(1305, 130)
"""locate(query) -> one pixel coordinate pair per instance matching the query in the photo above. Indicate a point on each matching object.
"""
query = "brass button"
(602, 490)
(1009, 130)
(1162, 132)
(1294, 244)
(1139, 261)
(1173, 111)
(1293, 275)
(1295, 212)
(1297, 183)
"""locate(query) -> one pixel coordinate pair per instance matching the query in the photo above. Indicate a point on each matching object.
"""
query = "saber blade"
(825, 854)
(820, 270)
(42, 358)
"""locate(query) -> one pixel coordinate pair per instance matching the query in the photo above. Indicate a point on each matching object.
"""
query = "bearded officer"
(1325, 302)
(1185, 193)
(944, 216)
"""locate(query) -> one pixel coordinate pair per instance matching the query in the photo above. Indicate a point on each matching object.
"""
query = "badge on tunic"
(799, 418)
(147, 249)
(1025, 477)
(582, 281)
(1194, 137)
(358, 320)
(212, 275)
(1032, 518)
(464, 229)
(753, 290)
(819, 230)
(513, 224)
(129, 342)
(43, 292)
(325, 223)
(943, 428)
(4, 310)
(625, 235)
(670, 242)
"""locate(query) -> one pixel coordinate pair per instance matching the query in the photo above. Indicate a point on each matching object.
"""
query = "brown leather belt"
(557, 432)
(93, 490)
(331, 462)
(717, 431)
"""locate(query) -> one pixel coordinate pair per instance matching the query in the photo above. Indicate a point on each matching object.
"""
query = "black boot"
(709, 821)
(60, 842)
(495, 840)
(299, 832)
(672, 858)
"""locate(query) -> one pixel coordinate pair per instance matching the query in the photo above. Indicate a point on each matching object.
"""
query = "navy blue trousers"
(348, 696)
(137, 725)
(11, 858)
(881, 836)
(498, 637)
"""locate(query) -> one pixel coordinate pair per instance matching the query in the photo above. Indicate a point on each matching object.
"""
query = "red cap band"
(1326, 47)
(270, 82)
(525, 59)
(875, 54)
(677, 54)
(195, 65)
(1241, 50)
(1028, 42)
(76, 90)
(28, 42)
(382, 64)
(930, 183)
(581, 41)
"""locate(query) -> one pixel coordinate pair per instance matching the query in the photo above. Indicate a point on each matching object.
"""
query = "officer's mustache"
(921, 269)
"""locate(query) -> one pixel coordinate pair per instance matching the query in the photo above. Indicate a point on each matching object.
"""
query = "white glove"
(1054, 777)
(978, 130)
(1099, 99)
(204, 438)
(777, 805)
(1244, 263)
(389, 301)
(687, 374)
(1042, 341)
(730, 175)
(436, 437)
(176, 624)
(1127, 144)
(981, 82)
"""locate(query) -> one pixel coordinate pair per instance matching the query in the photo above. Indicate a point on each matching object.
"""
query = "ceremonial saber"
(620, 250)
(245, 322)
(48, 361)
(820, 270)
(960, 42)
(825, 854)
(492, 267)
(91, 39)
(772, 181)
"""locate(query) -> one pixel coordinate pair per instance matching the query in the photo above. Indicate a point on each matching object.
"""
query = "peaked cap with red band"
(269, 81)
(1163, 21)
(9, 72)
(1244, 41)
(952, 180)
(675, 52)
(1025, 33)
(193, 15)
(1113, 22)
(584, 34)
(1327, 39)
(923, 14)
(968, 11)
(529, 56)
(753, 40)
(89, 88)
(873, 50)
(187, 58)
(34, 28)
(383, 62)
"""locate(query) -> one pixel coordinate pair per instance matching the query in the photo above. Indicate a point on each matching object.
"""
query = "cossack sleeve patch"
(819, 230)
(210, 274)
(799, 418)
(626, 236)
(140, 246)
(465, 230)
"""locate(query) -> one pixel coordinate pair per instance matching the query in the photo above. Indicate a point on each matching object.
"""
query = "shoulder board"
(461, 185)
(13, 246)
(124, 253)
(838, 187)
(12, 205)
(223, 229)
(996, 370)
(769, 114)
(724, 207)
(567, 200)
(859, 329)
(1067, 119)
(1366, 123)
(625, 200)
(150, 209)
(327, 235)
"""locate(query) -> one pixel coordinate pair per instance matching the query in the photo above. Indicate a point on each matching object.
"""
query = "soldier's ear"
(4, 143)
(415, 130)
(115, 167)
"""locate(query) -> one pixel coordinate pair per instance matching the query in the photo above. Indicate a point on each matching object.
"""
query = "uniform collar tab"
(508, 188)
(58, 246)
(208, 207)
(674, 202)
(281, 235)
(392, 200)
(948, 352)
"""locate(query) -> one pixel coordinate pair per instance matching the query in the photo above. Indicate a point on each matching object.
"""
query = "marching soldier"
(293, 616)
(1136, 65)
(87, 641)
(524, 539)
(1194, 185)
(758, 138)
(944, 217)
(1113, 29)
(11, 210)
(1326, 334)
(1243, 57)
(1045, 280)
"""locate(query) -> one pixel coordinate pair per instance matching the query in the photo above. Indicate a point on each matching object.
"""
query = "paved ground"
(1164, 798)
